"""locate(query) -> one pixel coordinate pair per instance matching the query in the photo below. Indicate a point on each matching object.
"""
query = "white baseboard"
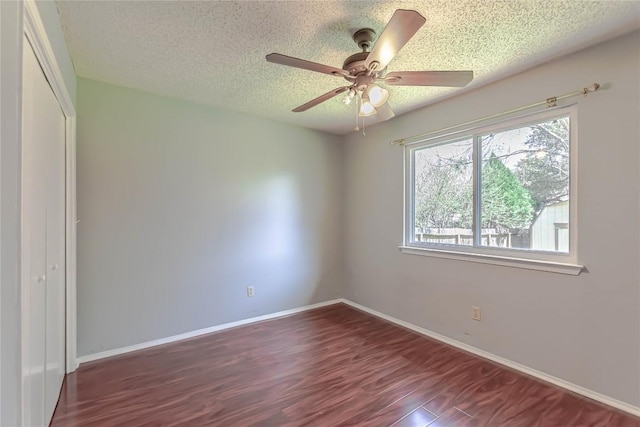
(623, 406)
(174, 338)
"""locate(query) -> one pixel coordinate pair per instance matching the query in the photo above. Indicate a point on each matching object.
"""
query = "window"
(504, 190)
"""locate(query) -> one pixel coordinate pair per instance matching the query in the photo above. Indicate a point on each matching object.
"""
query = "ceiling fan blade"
(384, 112)
(401, 27)
(321, 99)
(429, 78)
(277, 58)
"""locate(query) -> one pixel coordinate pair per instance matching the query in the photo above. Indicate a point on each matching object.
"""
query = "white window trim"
(565, 263)
(526, 263)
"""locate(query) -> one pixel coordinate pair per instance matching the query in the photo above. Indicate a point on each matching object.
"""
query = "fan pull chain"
(357, 109)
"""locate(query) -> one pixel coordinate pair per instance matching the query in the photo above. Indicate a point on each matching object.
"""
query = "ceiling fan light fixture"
(349, 96)
(364, 68)
(366, 108)
(377, 95)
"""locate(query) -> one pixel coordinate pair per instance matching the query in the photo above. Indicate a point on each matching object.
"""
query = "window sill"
(529, 264)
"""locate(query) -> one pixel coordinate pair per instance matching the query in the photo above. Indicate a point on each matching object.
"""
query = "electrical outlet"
(250, 291)
(475, 313)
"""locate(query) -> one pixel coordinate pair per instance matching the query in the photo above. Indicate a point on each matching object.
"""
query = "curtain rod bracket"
(552, 102)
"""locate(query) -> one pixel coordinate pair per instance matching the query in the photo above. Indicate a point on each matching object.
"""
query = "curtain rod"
(549, 102)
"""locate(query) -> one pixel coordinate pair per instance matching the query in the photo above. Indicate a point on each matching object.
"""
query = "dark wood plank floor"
(332, 366)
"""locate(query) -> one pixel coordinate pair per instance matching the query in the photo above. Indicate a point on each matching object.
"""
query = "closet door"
(43, 232)
(55, 256)
(34, 247)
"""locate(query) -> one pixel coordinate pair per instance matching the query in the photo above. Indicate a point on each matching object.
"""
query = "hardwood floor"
(332, 366)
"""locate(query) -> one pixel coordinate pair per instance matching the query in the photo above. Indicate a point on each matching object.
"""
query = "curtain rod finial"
(594, 87)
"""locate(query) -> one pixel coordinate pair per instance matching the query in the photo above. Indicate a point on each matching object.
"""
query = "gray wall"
(583, 329)
(11, 30)
(181, 207)
(10, 78)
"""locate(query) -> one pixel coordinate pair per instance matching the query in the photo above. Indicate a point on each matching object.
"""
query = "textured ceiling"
(213, 52)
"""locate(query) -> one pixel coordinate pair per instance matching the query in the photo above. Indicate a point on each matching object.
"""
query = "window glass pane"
(443, 193)
(525, 187)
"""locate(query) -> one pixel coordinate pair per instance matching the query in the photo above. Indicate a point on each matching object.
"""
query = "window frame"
(562, 262)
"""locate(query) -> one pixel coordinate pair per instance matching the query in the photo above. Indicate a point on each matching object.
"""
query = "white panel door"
(55, 257)
(43, 228)
(34, 247)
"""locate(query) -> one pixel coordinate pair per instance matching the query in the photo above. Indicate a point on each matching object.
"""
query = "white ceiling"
(213, 52)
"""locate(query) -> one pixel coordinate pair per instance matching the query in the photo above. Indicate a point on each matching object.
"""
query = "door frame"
(36, 34)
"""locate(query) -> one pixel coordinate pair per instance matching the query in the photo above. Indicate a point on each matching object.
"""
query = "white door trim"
(37, 36)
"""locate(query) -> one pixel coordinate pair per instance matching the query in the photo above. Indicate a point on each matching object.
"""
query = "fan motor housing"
(355, 63)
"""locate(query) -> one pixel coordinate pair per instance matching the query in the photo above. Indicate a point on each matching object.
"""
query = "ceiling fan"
(364, 70)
